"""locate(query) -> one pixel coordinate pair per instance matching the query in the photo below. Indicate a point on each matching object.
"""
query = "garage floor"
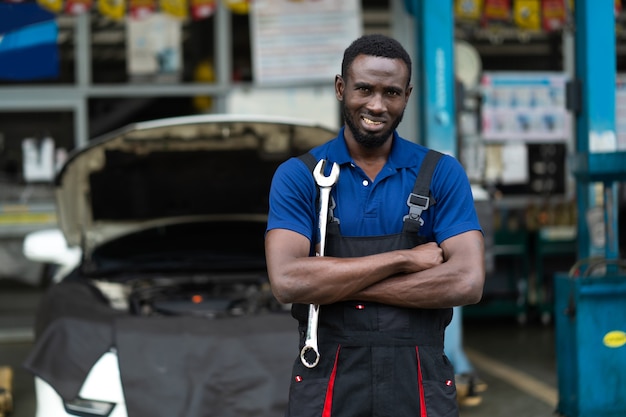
(516, 361)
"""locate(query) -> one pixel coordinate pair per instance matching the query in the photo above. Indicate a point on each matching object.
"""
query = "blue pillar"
(597, 158)
(434, 69)
(434, 92)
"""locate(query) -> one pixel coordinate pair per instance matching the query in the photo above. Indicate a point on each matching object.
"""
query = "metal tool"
(325, 184)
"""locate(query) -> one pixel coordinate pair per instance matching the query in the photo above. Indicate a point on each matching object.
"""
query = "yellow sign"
(614, 339)
(238, 6)
(176, 8)
(115, 9)
(527, 15)
(54, 6)
(468, 9)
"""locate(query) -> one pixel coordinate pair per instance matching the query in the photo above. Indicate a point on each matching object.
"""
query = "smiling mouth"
(371, 122)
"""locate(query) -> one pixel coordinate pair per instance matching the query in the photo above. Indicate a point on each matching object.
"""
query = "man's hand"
(456, 276)
(423, 257)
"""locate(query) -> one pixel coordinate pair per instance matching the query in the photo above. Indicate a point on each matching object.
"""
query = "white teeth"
(371, 122)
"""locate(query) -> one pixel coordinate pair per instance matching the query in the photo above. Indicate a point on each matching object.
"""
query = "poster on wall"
(528, 107)
(301, 40)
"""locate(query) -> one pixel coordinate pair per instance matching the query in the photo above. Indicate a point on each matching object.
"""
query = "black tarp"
(169, 366)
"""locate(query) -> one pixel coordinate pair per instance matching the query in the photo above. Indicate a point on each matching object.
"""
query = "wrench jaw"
(322, 180)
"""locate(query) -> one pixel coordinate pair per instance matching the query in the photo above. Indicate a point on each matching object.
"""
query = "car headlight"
(88, 408)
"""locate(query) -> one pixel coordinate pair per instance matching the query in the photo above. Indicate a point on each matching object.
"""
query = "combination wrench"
(325, 184)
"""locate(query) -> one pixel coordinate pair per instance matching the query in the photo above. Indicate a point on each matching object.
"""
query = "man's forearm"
(325, 280)
(438, 287)
(298, 278)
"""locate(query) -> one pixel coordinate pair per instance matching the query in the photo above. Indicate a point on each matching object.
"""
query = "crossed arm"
(427, 276)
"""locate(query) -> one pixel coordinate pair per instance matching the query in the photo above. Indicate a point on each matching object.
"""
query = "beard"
(366, 139)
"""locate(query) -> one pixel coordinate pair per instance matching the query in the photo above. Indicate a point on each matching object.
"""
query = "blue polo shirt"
(373, 208)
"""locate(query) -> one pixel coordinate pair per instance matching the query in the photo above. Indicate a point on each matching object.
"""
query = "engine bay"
(210, 296)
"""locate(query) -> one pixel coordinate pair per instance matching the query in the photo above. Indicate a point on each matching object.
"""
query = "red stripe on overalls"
(328, 403)
(420, 385)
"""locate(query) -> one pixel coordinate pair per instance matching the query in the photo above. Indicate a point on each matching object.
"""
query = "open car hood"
(176, 170)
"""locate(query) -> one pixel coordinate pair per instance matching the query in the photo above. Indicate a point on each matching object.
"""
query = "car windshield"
(215, 246)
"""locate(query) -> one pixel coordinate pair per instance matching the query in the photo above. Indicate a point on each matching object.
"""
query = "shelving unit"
(19, 216)
(75, 97)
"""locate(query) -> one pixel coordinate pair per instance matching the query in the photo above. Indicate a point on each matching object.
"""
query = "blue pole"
(434, 68)
(595, 66)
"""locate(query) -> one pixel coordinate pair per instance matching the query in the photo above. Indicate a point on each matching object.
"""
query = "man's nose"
(376, 103)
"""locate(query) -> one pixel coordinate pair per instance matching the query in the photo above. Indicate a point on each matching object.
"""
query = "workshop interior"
(529, 95)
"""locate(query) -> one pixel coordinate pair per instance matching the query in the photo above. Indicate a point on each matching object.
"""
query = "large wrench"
(325, 184)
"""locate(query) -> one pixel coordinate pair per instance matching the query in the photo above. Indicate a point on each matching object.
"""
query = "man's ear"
(339, 87)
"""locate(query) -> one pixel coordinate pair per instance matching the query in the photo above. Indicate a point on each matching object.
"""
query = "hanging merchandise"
(497, 11)
(201, 9)
(238, 6)
(469, 10)
(553, 14)
(76, 7)
(115, 9)
(618, 7)
(154, 48)
(38, 159)
(141, 9)
(526, 14)
(55, 6)
(175, 8)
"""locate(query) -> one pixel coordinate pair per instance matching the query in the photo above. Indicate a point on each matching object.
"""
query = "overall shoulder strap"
(420, 198)
(309, 160)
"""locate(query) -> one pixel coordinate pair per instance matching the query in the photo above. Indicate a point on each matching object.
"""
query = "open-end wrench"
(325, 184)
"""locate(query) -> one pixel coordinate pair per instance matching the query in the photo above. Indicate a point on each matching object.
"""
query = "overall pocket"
(311, 388)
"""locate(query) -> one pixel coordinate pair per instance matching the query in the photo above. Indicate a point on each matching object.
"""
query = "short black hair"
(375, 45)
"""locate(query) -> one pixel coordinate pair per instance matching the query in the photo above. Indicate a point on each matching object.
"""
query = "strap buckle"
(417, 204)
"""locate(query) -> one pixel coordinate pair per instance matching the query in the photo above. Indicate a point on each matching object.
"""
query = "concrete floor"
(517, 361)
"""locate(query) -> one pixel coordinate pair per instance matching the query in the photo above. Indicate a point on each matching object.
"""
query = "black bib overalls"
(375, 360)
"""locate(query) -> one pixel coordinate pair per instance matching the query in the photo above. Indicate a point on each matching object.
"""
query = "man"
(385, 290)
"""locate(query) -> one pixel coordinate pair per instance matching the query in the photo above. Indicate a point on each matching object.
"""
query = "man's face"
(373, 98)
